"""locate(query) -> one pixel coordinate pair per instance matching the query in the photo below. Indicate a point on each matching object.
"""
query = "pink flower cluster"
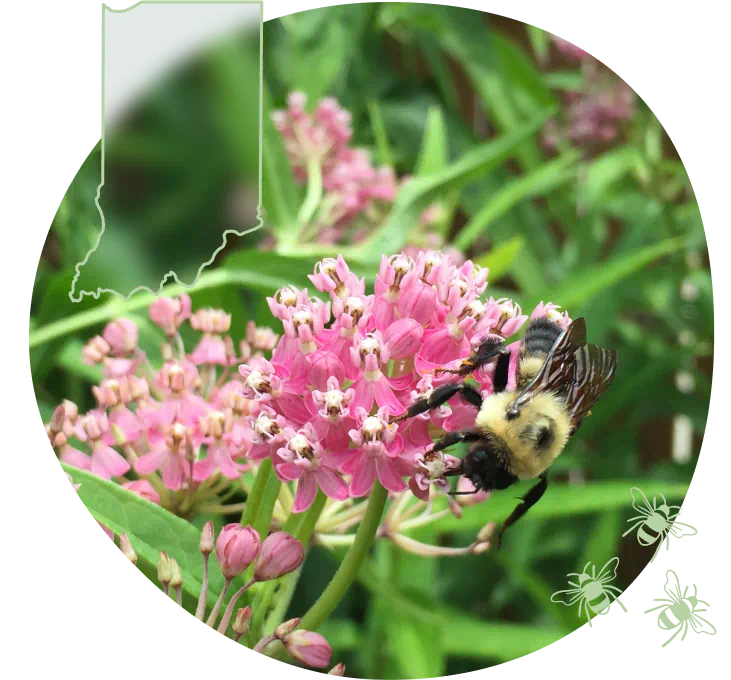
(596, 114)
(320, 408)
(351, 184)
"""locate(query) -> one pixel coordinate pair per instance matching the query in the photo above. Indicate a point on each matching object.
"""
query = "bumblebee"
(518, 433)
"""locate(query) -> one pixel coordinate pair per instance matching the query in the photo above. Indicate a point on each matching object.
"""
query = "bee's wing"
(700, 625)
(580, 371)
(567, 597)
(678, 530)
(609, 571)
(639, 500)
(672, 586)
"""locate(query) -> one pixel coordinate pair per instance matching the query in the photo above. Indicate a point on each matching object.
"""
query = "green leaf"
(604, 172)
(383, 148)
(561, 500)
(500, 259)
(421, 191)
(581, 287)
(434, 152)
(150, 528)
(540, 181)
(602, 543)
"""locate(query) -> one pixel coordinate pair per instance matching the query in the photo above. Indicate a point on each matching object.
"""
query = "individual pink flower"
(395, 275)
(105, 461)
(170, 454)
(144, 489)
(372, 385)
(169, 313)
(378, 454)
(304, 460)
(551, 312)
(431, 468)
(219, 452)
(236, 548)
(333, 276)
(280, 554)
(122, 336)
(261, 434)
(332, 419)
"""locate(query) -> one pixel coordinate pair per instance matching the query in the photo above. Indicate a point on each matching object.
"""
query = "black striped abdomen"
(540, 337)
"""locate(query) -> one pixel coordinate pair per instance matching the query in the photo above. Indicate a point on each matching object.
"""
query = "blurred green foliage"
(455, 98)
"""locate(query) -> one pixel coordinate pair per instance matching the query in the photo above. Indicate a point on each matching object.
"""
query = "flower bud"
(338, 669)
(485, 534)
(284, 629)
(126, 547)
(169, 313)
(176, 578)
(404, 337)
(308, 647)
(241, 622)
(236, 548)
(164, 571)
(207, 542)
(418, 302)
(121, 336)
(95, 351)
(322, 367)
(280, 555)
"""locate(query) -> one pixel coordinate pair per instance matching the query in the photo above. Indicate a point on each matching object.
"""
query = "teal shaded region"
(137, 39)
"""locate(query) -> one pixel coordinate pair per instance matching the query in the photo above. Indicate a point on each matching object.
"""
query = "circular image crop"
(444, 405)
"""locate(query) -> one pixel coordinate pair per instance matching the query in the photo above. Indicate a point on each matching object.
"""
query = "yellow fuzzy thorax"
(522, 456)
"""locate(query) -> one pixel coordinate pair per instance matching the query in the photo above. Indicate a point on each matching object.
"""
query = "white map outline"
(171, 275)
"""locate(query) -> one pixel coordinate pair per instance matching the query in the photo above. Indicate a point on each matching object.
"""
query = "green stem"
(251, 510)
(118, 307)
(348, 569)
(313, 196)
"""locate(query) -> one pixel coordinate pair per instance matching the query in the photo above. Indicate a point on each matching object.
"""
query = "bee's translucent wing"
(574, 368)
(567, 597)
(609, 570)
(672, 586)
(678, 530)
(639, 500)
(700, 625)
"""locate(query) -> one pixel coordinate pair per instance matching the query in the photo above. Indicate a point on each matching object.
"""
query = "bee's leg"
(488, 350)
(441, 395)
(453, 438)
(527, 502)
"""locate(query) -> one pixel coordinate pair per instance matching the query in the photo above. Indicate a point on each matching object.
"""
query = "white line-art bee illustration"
(591, 590)
(656, 523)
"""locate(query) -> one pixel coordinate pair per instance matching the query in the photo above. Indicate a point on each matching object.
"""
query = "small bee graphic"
(592, 592)
(656, 523)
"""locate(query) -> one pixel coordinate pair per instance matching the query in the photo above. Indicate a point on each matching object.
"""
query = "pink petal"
(173, 472)
(106, 462)
(306, 490)
(388, 475)
(386, 397)
(332, 484)
(288, 472)
(364, 474)
(364, 395)
(150, 461)
(77, 458)
(203, 469)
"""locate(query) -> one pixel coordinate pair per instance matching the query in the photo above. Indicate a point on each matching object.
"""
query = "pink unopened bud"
(280, 555)
(338, 669)
(164, 570)
(404, 337)
(207, 542)
(95, 351)
(284, 629)
(241, 622)
(309, 648)
(322, 367)
(169, 313)
(236, 548)
(418, 302)
(126, 547)
(121, 335)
